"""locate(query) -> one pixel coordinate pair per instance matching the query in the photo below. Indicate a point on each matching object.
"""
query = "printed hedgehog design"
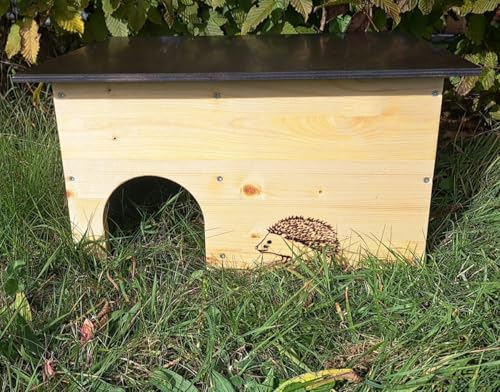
(314, 234)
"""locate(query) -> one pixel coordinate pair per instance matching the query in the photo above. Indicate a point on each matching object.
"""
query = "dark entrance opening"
(142, 198)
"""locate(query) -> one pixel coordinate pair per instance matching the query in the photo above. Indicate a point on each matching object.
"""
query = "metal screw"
(427, 180)
(71, 178)
(222, 255)
(61, 94)
(220, 178)
(217, 95)
(435, 93)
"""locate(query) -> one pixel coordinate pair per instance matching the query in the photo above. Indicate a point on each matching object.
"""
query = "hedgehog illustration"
(313, 234)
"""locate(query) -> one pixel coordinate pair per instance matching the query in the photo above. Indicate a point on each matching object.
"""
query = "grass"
(432, 327)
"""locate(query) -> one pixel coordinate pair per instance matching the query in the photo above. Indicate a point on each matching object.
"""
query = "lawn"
(160, 318)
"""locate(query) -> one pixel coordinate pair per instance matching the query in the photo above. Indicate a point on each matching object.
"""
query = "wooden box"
(290, 144)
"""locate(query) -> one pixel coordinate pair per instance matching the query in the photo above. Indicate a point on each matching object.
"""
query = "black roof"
(251, 57)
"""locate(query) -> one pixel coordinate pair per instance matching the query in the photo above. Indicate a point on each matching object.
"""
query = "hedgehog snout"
(263, 246)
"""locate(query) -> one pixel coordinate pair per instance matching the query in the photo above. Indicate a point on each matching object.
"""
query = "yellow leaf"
(303, 7)
(36, 94)
(390, 8)
(73, 23)
(30, 41)
(309, 381)
(22, 305)
(13, 45)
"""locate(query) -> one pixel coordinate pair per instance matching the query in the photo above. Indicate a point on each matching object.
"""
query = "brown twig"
(113, 283)
(323, 19)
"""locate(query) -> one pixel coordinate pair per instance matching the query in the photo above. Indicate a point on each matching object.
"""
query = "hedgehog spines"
(314, 233)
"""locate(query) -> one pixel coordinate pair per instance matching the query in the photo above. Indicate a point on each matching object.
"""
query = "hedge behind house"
(60, 25)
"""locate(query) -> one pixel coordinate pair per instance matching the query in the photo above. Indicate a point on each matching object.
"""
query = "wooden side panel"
(352, 153)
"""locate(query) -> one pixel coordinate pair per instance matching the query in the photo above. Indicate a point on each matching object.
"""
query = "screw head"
(222, 255)
(435, 93)
(61, 94)
(71, 178)
(217, 95)
(427, 180)
(220, 178)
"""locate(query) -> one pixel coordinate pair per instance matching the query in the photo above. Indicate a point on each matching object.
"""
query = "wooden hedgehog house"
(288, 143)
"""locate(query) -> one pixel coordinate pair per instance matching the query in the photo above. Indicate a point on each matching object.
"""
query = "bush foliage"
(84, 21)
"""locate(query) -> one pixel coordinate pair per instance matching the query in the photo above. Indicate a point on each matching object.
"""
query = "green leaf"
(478, 6)
(340, 24)
(303, 7)
(15, 266)
(474, 58)
(110, 6)
(338, 2)
(257, 14)
(268, 383)
(218, 3)
(214, 23)
(482, 6)
(390, 8)
(495, 115)
(154, 16)
(476, 28)
(95, 29)
(134, 11)
(425, 6)
(288, 28)
(305, 30)
(116, 27)
(466, 8)
(281, 4)
(103, 386)
(10, 286)
(168, 381)
(379, 19)
(239, 16)
(4, 7)
(487, 79)
(490, 60)
(189, 13)
(220, 383)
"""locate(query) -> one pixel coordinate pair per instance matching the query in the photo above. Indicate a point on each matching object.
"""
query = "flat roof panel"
(251, 57)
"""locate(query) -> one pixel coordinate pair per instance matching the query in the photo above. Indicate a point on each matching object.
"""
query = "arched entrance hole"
(166, 209)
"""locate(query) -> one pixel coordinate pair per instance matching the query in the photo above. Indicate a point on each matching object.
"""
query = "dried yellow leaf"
(87, 331)
(30, 41)
(466, 84)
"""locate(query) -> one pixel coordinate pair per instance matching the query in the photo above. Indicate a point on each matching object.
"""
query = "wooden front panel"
(353, 153)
